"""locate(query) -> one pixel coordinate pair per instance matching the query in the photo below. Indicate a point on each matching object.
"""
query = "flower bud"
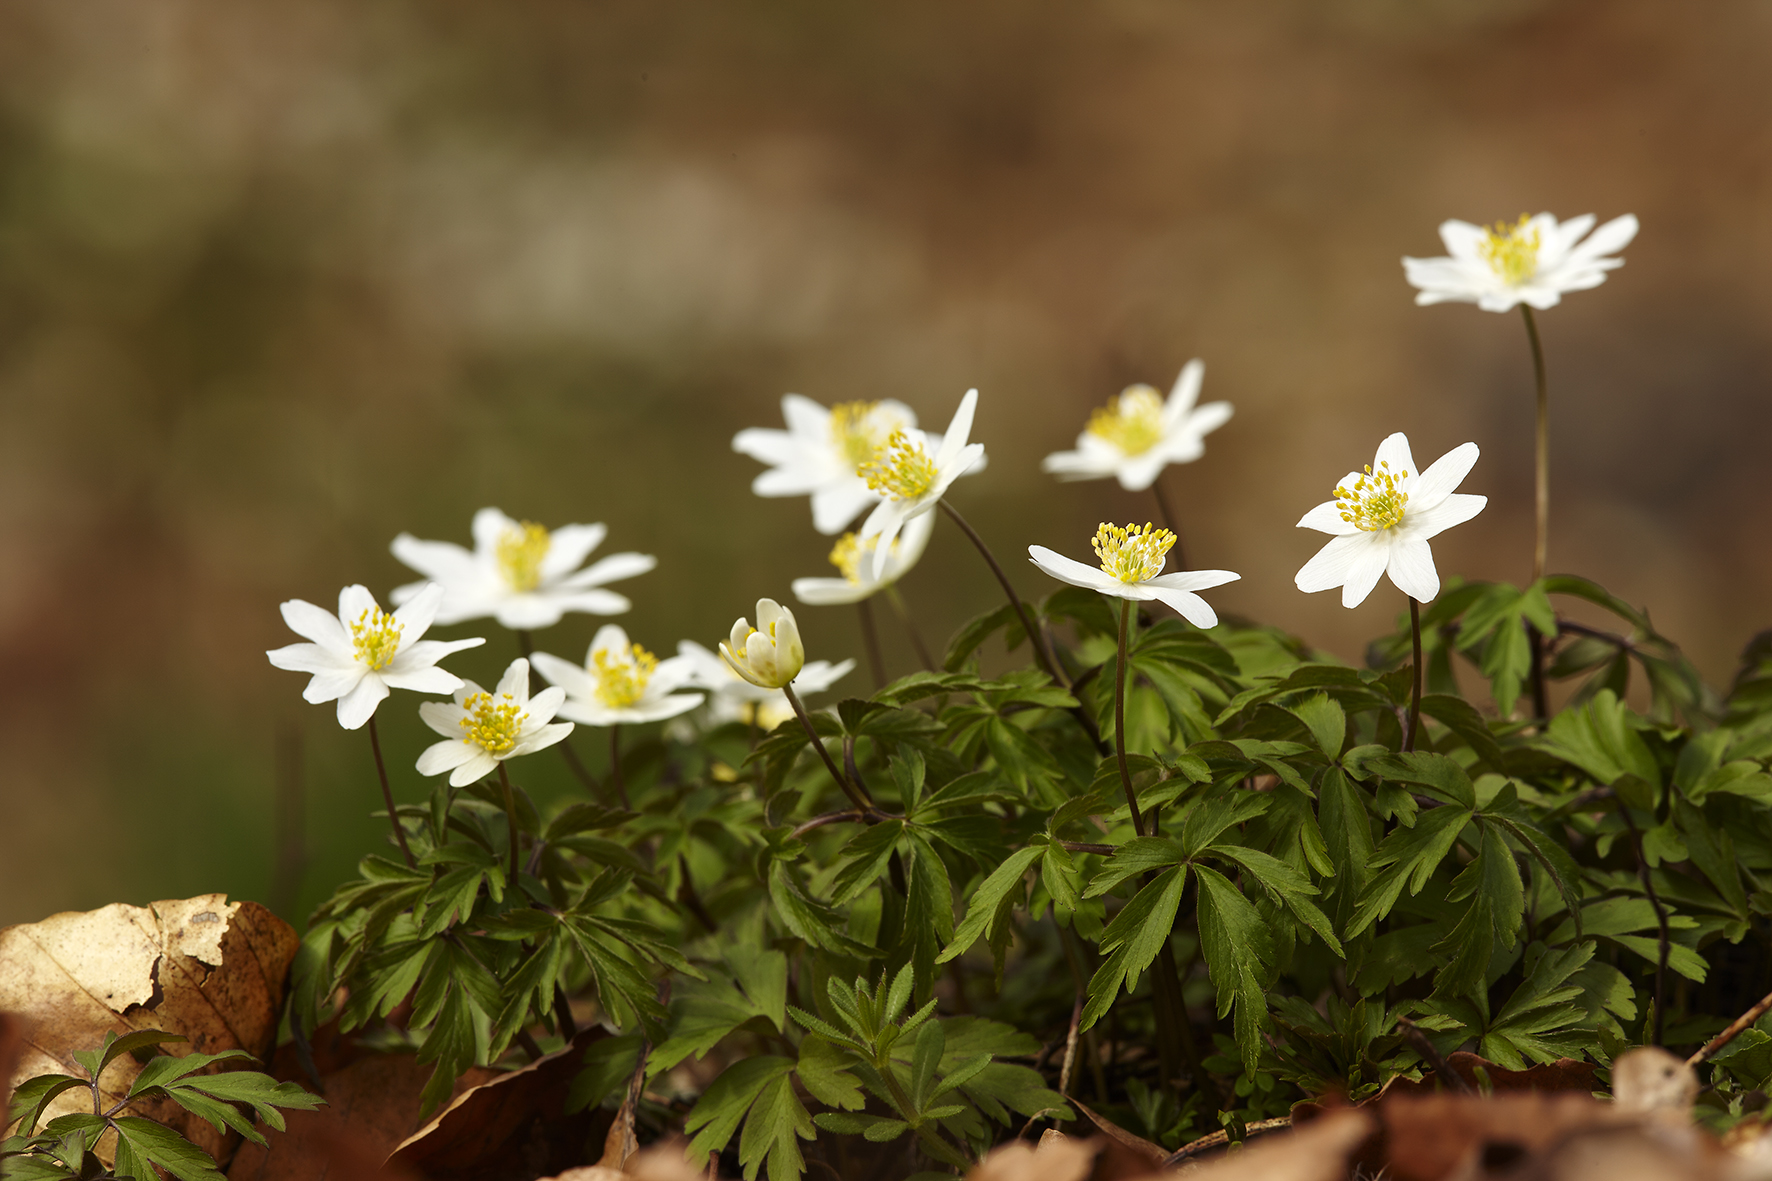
(770, 654)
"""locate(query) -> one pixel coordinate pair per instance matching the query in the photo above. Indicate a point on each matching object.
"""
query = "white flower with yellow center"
(481, 730)
(769, 655)
(519, 573)
(911, 481)
(854, 559)
(1138, 434)
(1531, 261)
(731, 698)
(1382, 519)
(620, 683)
(1132, 560)
(362, 652)
(823, 452)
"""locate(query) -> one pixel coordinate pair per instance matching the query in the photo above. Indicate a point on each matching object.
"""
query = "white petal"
(1411, 567)
(1141, 471)
(1185, 392)
(1463, 240)
(441, 561)
(488, 527)
(794, 479)
(596, 601)
(353, 601)
(814, 678)
(318, 625)
(1074, 572)
(1439, 481)
(1192, 580)
(805, 417)
(515, 682)
(330, 686)
(428, 652)
(479, 764)
(766, 444)
(1335, 563)
(959, 431)
(531, 612)
(1395, 451)
(1369, 565)
(1614, 236)
(445, 756)
(355, 707)
(310, 658)
(422, 680)
(827, 592)
(445, 717)
(541, 739)
(417, 613)
(1189, 606)
(568, 546)
(1326, 518)
(1077, 465)
(544, 705)
(609, 638)
(835, 505)
(1454, 510)
(571, 677)
(1209, 417)
(609, 569)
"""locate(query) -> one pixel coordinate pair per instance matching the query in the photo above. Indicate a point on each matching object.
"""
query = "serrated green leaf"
(981, 908)
(1238, 949)
(1134, 939)
(1407, 857)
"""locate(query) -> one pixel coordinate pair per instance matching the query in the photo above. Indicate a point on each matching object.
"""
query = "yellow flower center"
(858, 432)
(902, 470)
(849, 553)
(376, 637)
(622, 674)
(1133, 554)
(520, 553)
(1512, 251)
(493, 724)
(1374, 502)
(1133, 421)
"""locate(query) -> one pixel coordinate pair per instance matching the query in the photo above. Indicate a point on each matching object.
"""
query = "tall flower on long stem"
(1137, 434)
(1131, 570)
(734, 699)
(482, 730)
(1382, 520)
(520, 573)
(859, 584)
(359, 655)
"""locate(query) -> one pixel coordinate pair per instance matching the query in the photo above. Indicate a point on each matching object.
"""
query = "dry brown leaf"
(1124, 1154)
(204, 967)
(1058, 1158)
(371, 1105)
(12, 1048)
(1649, 1078)
(664, 1161)
(1316, 1152)
(485, 1124)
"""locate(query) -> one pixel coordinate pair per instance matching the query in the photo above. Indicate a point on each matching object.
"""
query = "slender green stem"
(1036, 638)
(1170, 522)
(855, 797)
(387, 795)
(1648, 880)
(904, 616)
(1120, 719)
(1542, 466)
(870, 639)
(1415, 695)
(504, 781)
(615, 779)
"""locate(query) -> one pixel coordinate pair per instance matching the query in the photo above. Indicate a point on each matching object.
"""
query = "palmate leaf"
(1497, 901)
(1407, 857)
(1286, 886)
(32, 1097)
(1238, 948)
(1133, 940)
(212, 1096)
(142, 1141)
(755, 1090)
(983, 909)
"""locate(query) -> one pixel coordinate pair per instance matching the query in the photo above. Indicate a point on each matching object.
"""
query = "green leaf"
(981, 909)
(925, 1056)
(1408, 856)
(1442, 776)
(1135, 938)
(1138, 856)
(777, 1122)
(1238, 948)
(730, 1099)
(1498, 899)
(1323, 716)
(976, 631)
(164, 1147)
(1599, 739)
(609, 1063)
(824, 1070)
(1460, 717)
(32, 1097)
(1286, 886)
(868, 851)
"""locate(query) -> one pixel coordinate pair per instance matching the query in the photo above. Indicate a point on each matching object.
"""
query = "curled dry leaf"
(664, 1161)
(12, 1048)
(1058, 1158)
(1316, 1152)
(204, 967)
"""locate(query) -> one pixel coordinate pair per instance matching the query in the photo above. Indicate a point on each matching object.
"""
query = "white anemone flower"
(360, 654)
(854, 559)
(1383, 518)
(1132, 561)
(482, 730)
(769, 655)
(519, 573)
(1533, 261)
(911, 482)
(620, 683)
(823, 452)
(731, 698)
(1138, 434)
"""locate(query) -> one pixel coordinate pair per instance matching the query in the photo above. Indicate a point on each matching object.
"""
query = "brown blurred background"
(278, 281)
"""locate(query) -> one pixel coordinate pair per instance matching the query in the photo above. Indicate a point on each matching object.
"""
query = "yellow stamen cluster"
(622, 675)
(849, 553)
(1512, 251)
(1374, 502)
(376, 637)
(857, 432)
(1132, 421)
(1133, 554)
(520, 553)
(493, 724)
(902, 471)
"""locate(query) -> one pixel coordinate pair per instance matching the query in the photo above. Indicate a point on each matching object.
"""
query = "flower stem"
(1120, 720)
(1542, 465)
(387, 795)
(1415, 695)
(1170, 523)
(855, 797)
(526, 644)
(615, 779)
(870, 639)
(504, 781)
(1036, 638)
(904, 616)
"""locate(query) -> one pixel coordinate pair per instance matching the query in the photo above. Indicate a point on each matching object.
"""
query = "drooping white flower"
(769, 655)
(620, 683)
(1132, 560)
(911, 482)
(1382, 519)
(1138, 434)
(1533, 261)
(481, 730)
(854, 558)
(519, 573)
(731, 698)
(822, 454)
(360, 654)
